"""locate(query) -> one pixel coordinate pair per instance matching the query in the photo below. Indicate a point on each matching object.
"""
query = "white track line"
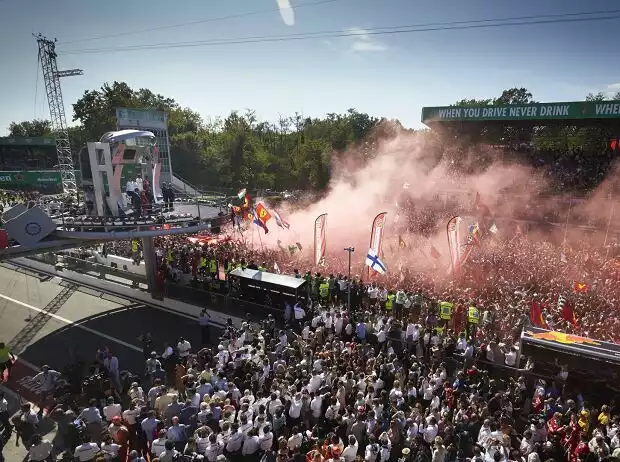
(72, 323)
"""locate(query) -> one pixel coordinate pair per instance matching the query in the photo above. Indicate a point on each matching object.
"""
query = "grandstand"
(29, 164)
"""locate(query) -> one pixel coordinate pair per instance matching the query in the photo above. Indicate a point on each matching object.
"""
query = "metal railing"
(91, 268)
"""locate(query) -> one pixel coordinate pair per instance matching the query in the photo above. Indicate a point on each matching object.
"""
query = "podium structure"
(108, 158)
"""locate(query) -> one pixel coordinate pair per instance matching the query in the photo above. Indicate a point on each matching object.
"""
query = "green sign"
(33, 179)
(577, 110)
(19, 141)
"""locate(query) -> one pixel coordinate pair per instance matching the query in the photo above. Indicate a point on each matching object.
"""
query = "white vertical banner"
(319, 239)
(454, 244)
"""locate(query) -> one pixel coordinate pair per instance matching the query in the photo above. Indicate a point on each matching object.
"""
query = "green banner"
(4, 141)
(33, 179)
(577, 110)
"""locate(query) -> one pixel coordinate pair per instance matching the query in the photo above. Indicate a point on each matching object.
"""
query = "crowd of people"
(379, 382)
(420, 367)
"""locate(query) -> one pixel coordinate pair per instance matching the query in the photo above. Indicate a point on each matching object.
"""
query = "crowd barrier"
(194, 293)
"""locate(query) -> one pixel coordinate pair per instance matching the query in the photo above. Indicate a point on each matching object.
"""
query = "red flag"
(581, 287)
(536, 315)
(568, 313)
(262, 214)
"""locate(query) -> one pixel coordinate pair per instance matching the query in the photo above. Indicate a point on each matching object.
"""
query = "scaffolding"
(51, 77)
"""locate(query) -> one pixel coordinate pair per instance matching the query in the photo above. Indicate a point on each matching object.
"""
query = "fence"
(196, 293)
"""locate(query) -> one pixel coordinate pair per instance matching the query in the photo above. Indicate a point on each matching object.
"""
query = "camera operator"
(47, 380)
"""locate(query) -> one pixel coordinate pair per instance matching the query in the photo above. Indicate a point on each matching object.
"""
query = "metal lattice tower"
(51, 77)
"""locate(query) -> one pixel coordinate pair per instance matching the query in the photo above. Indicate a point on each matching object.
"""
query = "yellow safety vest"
(228, 267)
(262, 268)
(238, 265)
(324, 290)
(212, 266)
(389, 302)
(473, 317)
(203, 262)
(445, 310)
(169, 258)
(439, 330)
(134, 246)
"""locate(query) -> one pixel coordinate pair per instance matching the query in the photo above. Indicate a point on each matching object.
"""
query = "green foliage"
(30, 128)
(551, 137)
(238, 151)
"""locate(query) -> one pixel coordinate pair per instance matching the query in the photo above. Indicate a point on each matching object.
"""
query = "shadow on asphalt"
(118, 330)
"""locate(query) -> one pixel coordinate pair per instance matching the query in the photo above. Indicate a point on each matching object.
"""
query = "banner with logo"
(319, 239)
(376, 235)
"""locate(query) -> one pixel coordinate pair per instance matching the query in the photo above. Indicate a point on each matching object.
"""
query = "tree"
(237, 151)
(30, 128)
(514, 96)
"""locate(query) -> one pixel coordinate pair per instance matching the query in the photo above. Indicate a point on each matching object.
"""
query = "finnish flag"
(373, 261)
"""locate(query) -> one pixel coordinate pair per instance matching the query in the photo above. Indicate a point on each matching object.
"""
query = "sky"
(388, 75)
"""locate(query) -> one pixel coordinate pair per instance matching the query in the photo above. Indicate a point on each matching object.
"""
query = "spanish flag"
(536, 315)
(581, 287)
(568, 313)
(401, 242)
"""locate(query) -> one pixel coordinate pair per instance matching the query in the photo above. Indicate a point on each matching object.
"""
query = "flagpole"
(570, 204)
(260, 239)
(611, 214)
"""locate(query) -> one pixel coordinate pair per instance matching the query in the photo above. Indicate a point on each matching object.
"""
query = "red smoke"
(361, 187)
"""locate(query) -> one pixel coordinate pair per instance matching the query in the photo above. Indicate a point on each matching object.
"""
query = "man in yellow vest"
(445, 314)
(389, 303)
(262, 267)
(135, 251)
(202, 265)
(324, 291)
(399, 302)
(213, 266)
(473, 319)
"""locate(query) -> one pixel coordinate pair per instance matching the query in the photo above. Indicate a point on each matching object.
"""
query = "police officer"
(324, 291)
(213, 266)
(473, 319)
(445, 313)
(389, 302)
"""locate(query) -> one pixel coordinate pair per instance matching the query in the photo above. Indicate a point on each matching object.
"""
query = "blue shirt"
(360, 330)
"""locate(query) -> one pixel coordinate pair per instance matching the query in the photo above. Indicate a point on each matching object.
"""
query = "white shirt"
(350, 452)
(47, 381)
(110, 450)
(130, 416)
(266, 441)
(167, 352)
(511, 358)
(86, 452)
(430, 432)
(184, 348)
(295, 441)
(235, 442)
(316, 405)
(41, 451)
(250, 445)
(111, 411)
(212, 451)
(295, 409)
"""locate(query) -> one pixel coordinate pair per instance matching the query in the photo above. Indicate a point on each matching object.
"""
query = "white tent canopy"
(122, 135)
